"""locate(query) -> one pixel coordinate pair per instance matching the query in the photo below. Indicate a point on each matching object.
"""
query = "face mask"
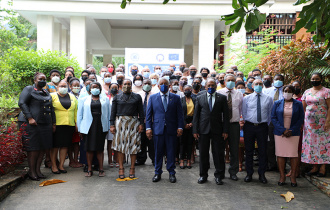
(93, 80)
(127, 89)
(95, 91)
(167, 77)
(222, 81)
(114, 91)
(267, 83)
(297, 91)
(76, 89)
(178, 77)
(55, 79)
(164, 88)
(230, 84)
(241, 90)
(138, 83)
(63, 90)
(174, 68)
(210, 90)
(258, 88)
(192, 73)
(88, 87)
(257, 77)
(68, 79)
(213, 75)
(146, 88)
(120, 81)
(181, 68)
(146, 74)
(42, 83)
(110, 70)
(287, 96)
(278, 83)
(235, 69)
(204, 74)
(315, 83)
(196, 87)
(134, 72)
(175, 88)
(158, 72)
(153, 81)
(102, 74)
(84, 78)
(249, 85)
(183, 83)
(107, 80)
(187, 93)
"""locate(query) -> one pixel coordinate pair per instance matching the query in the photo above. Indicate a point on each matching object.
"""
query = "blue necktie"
(258, 109)
(210, 103)
(145, 103)
(165, 102)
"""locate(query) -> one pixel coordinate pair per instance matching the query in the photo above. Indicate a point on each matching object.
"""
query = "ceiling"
(146, 24)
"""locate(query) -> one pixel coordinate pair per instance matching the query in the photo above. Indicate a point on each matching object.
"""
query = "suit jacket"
(215, 121)
(157, 118)
(184, 108)
(297, 119)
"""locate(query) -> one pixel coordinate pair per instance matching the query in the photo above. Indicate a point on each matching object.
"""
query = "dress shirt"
(167, 95)
(271, 92)
(213, 98)
(190, 80)
(237, 101)
(249, 109)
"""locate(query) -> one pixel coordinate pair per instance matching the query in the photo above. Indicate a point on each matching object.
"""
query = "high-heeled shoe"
(55, 172)
(189, 165)
(122, 176)
(281, 183)
(182, 166)
(294, 184)
(132, 176)
(33, 178)
(42, 176)
(311, 173)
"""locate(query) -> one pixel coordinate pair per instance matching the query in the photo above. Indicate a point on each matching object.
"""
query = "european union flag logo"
(173, 57)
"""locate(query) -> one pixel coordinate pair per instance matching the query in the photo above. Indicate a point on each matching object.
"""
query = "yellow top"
(219, 87)
(190, 108)
(65, 116)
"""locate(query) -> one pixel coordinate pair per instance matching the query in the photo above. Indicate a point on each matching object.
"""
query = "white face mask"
(76, 89)
(158, 72)
(175, 88)
(138, 83)
(102, 74)
(287, 96)
(63, 90)
(56, 79)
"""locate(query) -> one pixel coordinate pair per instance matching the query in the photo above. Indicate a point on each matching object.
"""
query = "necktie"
(230, 105)
(277, 93)
(145, 103)
(210, 103)
(165, 102)
(258, 109)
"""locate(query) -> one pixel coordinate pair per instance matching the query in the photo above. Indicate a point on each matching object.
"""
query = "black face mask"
(192, 73)
(213, 75)
(42, 83)
(178, 77)
(182, 68)
(84, 78)
(68, 79)
(196, 87)
(187, 93)
(222, 81)
(134, 72)
(204, 74)
(267, 83)
(315, 83)
(120, 81)
(114, 91)
(297, 91)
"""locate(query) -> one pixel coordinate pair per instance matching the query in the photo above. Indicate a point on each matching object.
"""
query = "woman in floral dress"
(316, 139)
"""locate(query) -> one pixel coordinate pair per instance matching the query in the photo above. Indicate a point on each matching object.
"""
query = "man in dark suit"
(164, 120)
(211, 124)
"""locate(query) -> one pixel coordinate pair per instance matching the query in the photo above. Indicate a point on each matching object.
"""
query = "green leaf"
(229, 17)
(165, 1)
(123, 4)
(240, 12)
(235, 4)
(299, 24)
(254, 19)
(243, 3)
(300, 2)
(260, 2)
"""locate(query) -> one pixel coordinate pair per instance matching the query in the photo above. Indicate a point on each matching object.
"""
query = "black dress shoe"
(263, 179)
(281, 183)
(202, 180)
(34, 178)
(55, 172)
(138, 163)
(156, 178)
(182, 167)
(63, 171)
(321, 175)
(312, 173)
(172, 178)
(218, 181)
(85, 168)
(42, 176)
(294, 184)
(233, 177)
(248, 178)
(189, 167)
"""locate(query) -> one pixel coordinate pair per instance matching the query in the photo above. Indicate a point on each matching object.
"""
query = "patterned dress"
(316, 142)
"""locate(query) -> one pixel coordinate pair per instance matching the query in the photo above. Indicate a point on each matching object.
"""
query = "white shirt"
(167, 95)
(237, 102)
(213, 98)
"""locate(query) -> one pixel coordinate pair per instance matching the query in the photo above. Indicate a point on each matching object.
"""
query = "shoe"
(34, 178)
(122, 176)
(248, 178)
(111, 165)
(263, 179)
(312, 173)
(101, 173)
(138, 163)
(132, 176)
(321, 175)
(233, 177)
(48, 164)
(157, 178)
(89, 174)
(189, 164)
(281, 183)
(172, 178)
(189, 167)
(202, 180)
(182, 167)
(218, 181)
(55, 172)
(42, 176)
(294, 184)
(63, 171)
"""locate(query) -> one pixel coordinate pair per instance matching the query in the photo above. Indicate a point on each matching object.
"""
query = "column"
(89, 57)
(107, 59)
(195, 45)
(206, 44)
(45, 30)
(65, 41)
(236, 42)
(78, 39)
(188, 55)
(57, 37)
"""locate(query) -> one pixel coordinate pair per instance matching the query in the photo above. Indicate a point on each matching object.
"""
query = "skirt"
(286, 147)
(63, 136)
(95, 139)
(127, 138)
(37, 137)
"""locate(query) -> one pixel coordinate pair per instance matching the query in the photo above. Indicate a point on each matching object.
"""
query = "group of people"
(171, 113)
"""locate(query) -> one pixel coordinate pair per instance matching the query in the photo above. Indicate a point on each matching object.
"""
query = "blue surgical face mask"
(95, 91)
(278, 83)
(174, 68)
(164, 88)
(107, 80)
(146, 74)
(230, 84)
(167, 77)
(241, 90)
(211, 90)
(154, 81)
(88, 87)
(257, 77)
(258, 88)
(249, 85)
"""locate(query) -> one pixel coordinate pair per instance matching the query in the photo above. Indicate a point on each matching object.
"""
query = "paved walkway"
(80, 192)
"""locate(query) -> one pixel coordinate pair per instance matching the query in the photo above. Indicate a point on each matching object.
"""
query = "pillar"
(188, 54)
(57, 37)
(65, 41)
(78, 39)
(236, 42)
(206, 44)
(89, 57)
(45, 32)
(107, 59)
(195, 45)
